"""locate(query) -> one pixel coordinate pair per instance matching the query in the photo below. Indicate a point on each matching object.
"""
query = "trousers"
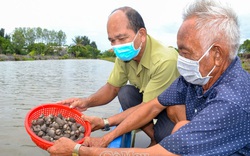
(130, 96)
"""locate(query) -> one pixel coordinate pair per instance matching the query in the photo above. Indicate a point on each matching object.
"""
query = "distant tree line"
(44, 42)
(38, 41)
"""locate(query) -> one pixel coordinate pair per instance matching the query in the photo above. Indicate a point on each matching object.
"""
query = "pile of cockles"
(53, 127)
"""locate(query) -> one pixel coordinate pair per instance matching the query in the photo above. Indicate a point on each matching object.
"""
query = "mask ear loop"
(135, 36)
(134, 42)
(206, 52)
(211, 71)
(204, 55)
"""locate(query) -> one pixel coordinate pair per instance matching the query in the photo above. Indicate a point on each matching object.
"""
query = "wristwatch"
(76, 150)
(106, 124)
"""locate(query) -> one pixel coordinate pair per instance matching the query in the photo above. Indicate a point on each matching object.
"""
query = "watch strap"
(106, 124)
(76, 150)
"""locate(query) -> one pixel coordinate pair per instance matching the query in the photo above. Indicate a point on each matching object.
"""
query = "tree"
(39, 35)
(5, 46)
(93, 44)
(37, 48)
(45, 35)
(78, 40)
(83, 47)
(18, 40)
(108, 53)
(2, 32)
(61, 38)
(30, 36)
(245, 47)
(93, 52)
(85, 41)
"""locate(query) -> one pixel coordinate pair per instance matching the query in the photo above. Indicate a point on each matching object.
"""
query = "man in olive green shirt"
(152, 75)
(144, 68)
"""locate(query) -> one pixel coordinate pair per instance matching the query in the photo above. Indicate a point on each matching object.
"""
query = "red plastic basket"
(53, 109)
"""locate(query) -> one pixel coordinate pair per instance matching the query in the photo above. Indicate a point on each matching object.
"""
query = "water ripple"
(26, 84)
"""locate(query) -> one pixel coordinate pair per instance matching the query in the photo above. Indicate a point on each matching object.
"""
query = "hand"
(96, 122)
(63, 147)
(95, 142)
(78, 103)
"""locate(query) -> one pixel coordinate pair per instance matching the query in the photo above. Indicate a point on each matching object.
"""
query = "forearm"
(103, 96)
(154, 150)
(118, 118)
(143, 115)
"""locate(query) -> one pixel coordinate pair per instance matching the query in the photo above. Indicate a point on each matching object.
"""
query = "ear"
(218, 56)
(143, 34)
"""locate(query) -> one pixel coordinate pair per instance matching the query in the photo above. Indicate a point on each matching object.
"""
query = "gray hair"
(215, 21)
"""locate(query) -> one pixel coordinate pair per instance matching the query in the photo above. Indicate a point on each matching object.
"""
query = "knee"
(129, 96)
(124, 91)
(176, 113)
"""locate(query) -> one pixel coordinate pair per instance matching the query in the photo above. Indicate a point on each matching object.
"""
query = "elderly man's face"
(189, 46)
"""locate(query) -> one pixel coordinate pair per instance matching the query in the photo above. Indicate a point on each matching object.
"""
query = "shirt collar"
(145, 60)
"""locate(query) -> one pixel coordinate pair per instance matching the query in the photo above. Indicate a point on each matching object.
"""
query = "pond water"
(26, 84)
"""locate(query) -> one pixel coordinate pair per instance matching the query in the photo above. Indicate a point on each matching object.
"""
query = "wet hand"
(78, 103)
(95, 122)
(95, 142)
(63, 147)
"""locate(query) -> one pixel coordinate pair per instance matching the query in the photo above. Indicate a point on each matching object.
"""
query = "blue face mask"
(127, 51)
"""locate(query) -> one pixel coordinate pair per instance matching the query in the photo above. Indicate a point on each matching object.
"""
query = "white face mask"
(189, 69)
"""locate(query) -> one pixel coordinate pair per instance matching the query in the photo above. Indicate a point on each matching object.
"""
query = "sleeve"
(162, 78)
(222, 128)
(118, 76)
(175, 94)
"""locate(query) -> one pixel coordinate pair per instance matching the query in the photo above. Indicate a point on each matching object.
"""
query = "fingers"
(77, 103)
(72, 102)
(85, 118)
(96, 122)
(89, 119)
(86, 142)
(49, 150)
(52, 149)
(67, 101)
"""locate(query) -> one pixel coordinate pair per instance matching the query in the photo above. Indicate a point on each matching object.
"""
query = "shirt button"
(195, 110)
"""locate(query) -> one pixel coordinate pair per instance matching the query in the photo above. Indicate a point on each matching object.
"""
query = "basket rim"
(49, 105)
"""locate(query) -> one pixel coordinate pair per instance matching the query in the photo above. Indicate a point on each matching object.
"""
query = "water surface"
(26, 84)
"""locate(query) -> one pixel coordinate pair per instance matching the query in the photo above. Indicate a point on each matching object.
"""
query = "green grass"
(111, 59)
(246, 64)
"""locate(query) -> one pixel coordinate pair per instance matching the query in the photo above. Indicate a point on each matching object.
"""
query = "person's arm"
(103, 96)
(65, 147)
(138, 118)
(98, 123)
(179, 124)
(153, 150)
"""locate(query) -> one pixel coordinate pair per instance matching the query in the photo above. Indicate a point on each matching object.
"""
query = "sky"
(162, 18)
